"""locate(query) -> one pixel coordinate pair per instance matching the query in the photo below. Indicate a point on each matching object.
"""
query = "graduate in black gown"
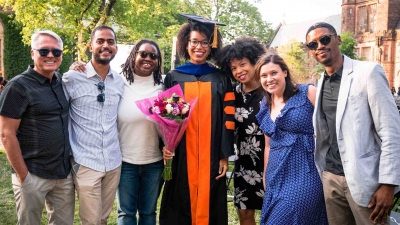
(196, 194)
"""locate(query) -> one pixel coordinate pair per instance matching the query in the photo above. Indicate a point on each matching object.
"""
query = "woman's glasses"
(101, 86)
(324, 40)
(144, 54)
(45, 51)
(195, 43)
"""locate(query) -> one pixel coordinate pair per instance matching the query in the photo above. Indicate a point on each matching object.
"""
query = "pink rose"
(156, 109)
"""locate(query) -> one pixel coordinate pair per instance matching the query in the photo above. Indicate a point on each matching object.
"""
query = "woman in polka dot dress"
(294, 193)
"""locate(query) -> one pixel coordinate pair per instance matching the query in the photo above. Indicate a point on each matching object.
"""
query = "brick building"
(375, 25)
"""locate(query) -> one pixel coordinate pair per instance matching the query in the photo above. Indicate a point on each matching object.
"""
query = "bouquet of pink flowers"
(171, 114)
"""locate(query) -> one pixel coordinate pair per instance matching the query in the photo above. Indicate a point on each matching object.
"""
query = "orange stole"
(198, 150)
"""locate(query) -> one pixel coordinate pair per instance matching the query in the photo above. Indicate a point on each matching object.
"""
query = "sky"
(294, 11)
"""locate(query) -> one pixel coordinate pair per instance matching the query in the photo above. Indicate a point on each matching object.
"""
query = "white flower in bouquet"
(185, 109)
(169, 108)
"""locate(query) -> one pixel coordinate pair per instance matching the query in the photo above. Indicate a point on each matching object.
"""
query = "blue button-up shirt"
(93, 124)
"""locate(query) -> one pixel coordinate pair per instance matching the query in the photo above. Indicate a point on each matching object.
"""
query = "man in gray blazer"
(357, 129)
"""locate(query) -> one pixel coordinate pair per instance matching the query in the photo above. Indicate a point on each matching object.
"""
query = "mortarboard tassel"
(215, 40)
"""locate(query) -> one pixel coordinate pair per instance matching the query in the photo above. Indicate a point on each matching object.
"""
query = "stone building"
(375, 25)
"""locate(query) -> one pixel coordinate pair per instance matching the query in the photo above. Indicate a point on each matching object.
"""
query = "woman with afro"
(238, 60)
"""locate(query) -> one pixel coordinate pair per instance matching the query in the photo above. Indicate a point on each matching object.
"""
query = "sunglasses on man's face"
(45, 51)
(324, 40)
(144, 54)
(101, 86)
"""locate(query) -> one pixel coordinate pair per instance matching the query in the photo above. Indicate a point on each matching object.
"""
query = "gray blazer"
(367, 128)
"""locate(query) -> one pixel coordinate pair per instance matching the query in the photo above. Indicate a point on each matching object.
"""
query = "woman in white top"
(142, 161)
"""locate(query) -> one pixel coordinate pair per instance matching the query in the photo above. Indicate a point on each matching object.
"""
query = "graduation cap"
(208, 23)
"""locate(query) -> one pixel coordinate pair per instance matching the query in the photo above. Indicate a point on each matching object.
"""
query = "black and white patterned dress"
(249, 164)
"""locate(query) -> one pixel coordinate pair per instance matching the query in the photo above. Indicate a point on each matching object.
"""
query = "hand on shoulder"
(78, 66)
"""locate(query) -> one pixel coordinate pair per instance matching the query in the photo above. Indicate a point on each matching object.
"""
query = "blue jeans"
(138, 191)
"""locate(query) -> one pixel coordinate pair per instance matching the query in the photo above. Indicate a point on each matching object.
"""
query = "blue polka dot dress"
(294, 193)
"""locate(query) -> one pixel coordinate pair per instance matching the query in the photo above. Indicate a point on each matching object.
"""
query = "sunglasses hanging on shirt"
(101, 86)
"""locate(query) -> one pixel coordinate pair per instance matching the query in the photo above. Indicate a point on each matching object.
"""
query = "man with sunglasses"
(357, 134)
(94, 97)
(34, 132)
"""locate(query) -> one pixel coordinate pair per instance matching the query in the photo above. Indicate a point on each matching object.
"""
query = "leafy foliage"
(16, 55)
(75, 19)
(165, 43)
(132, 20)
(348, 44)
(318, 70)
(241, 17)
(296, 59)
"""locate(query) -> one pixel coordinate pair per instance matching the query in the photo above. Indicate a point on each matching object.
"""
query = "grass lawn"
(7, 202)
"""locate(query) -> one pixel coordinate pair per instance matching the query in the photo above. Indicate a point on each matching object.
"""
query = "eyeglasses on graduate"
(101, 86)
(144, 54)
(195, 43)
(324, 40)
(45, 52)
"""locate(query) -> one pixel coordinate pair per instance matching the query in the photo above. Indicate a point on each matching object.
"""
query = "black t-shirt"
(43, 131)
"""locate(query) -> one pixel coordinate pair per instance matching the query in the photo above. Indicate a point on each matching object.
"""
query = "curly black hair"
(242, 47)
(128, 68)
(184, 35)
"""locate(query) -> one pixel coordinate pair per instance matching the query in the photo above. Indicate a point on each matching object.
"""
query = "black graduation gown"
(193, 196)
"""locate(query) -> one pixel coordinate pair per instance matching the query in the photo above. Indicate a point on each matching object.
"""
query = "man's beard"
(98, 59)
(327, 61)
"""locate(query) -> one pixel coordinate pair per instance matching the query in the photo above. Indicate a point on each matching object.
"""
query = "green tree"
(16, 55)
(75, 19)
(318, 69)
(294, 55)
(242, 18)
(348, 44)
(165, 43)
